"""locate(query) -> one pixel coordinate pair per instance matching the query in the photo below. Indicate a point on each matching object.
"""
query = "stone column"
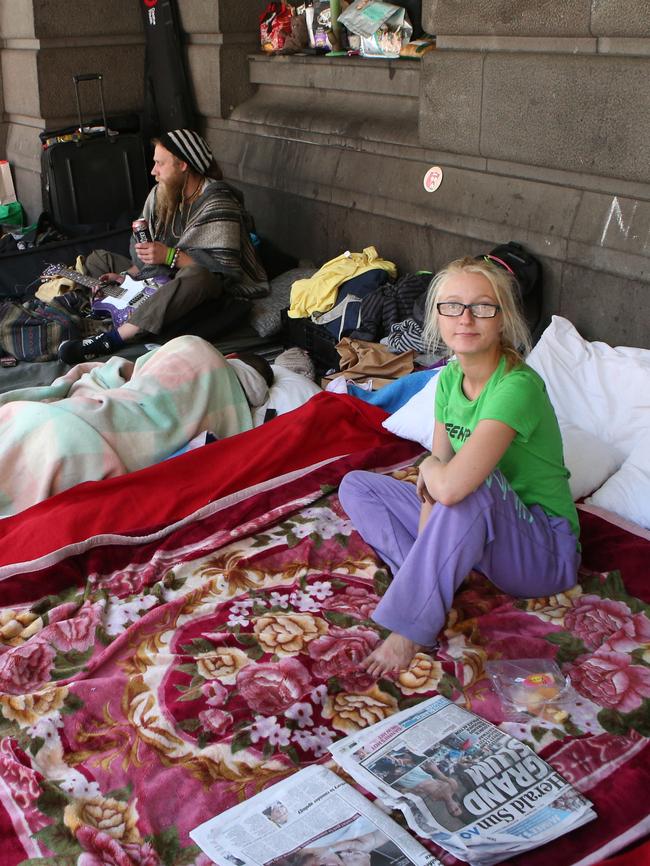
(220, 35)
(46, 42)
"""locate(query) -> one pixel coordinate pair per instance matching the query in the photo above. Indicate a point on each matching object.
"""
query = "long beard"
(169, 195)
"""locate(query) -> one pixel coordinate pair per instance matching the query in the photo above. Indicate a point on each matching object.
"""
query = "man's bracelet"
(177, 253)
(170, 257)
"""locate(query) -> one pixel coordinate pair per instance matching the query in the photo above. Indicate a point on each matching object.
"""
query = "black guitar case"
(168, 97)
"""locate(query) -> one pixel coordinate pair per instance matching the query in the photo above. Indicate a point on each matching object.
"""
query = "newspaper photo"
(477, 792)
(313, 818)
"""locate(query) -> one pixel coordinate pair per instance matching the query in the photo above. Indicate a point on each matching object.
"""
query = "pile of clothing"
(359, 295)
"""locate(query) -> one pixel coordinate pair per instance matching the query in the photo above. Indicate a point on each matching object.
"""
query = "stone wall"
(537, 114)
(43, 43)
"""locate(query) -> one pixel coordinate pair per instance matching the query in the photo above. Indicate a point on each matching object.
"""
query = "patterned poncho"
(213, 230)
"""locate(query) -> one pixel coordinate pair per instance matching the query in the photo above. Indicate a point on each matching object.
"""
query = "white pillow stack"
(589, 460)
(601, 396)
(415, 420)
(627, 492)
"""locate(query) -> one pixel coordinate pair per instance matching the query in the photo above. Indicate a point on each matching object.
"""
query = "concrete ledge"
(264, 124)
(629, 47)
(244, 39)
(359, 117)
(538, 214)
(539, 44)
(355, 75)
(73, 42)
(610, 186)
(380, 147)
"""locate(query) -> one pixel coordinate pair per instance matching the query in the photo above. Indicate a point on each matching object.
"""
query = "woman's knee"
(353, 488)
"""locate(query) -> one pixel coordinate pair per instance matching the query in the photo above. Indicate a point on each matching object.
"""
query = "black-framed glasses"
(479, 311)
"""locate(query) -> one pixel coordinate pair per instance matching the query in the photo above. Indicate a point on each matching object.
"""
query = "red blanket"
(157, 498)
(209, 646)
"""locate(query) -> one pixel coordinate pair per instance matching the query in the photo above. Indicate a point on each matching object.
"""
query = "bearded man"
(200, 247)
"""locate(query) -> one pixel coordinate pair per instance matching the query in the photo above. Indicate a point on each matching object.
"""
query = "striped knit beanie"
(188, 146)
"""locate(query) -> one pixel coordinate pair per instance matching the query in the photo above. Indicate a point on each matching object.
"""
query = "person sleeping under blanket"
(101, 420)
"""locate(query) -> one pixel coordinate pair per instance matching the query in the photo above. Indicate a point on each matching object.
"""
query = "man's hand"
(152, 253)
(110, 277)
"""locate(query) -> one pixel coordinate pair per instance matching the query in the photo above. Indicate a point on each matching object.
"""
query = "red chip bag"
(275, 26)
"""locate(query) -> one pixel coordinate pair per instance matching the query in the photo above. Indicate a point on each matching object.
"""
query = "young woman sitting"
(493, 495)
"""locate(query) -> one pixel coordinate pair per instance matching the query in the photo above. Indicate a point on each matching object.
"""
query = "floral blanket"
(152, 680)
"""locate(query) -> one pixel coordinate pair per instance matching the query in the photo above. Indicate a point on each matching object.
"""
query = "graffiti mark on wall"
(615, 216)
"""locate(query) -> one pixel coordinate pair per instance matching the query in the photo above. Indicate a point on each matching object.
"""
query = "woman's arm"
(441, 452)
(451, 481)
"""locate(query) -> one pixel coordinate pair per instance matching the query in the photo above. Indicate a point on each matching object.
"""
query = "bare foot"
(393, 654)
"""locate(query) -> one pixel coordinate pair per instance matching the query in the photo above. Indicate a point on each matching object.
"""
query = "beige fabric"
(58, 285)
(362, 361)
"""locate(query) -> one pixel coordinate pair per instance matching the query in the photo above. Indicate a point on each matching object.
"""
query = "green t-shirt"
(533, 463)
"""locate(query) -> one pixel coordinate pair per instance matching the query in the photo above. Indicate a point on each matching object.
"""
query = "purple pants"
(522, 551)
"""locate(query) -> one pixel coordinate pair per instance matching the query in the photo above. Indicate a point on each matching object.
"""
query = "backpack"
(33, 329)
(527, 270)
(393, 303)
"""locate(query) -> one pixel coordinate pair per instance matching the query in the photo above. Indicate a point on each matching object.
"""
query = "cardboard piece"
(7, 191)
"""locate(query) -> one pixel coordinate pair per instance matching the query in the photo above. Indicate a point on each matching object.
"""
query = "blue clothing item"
(392, 397)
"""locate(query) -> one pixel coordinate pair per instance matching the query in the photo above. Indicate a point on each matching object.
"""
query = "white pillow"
(416, 418)
(627, 492)
(589, 460)
(288, 391)
(603, 390)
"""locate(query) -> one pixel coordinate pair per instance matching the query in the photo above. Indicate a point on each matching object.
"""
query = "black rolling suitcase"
(93, 177)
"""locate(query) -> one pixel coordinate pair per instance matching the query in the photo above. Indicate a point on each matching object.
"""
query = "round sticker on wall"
(433, 178)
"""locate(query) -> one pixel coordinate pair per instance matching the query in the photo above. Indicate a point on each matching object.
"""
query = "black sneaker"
(78, 351)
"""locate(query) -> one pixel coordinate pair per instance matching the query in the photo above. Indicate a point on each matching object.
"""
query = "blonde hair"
(515, 336)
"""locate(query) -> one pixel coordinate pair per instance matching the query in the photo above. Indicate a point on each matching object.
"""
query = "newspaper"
(477, 792)
(313, 818)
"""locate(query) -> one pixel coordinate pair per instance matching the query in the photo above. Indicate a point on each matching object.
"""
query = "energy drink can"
(141, 231)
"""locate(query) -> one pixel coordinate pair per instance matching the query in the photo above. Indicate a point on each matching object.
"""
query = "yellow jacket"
(318, 293)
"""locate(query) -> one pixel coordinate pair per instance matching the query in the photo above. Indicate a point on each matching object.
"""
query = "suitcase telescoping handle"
(90, 76)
